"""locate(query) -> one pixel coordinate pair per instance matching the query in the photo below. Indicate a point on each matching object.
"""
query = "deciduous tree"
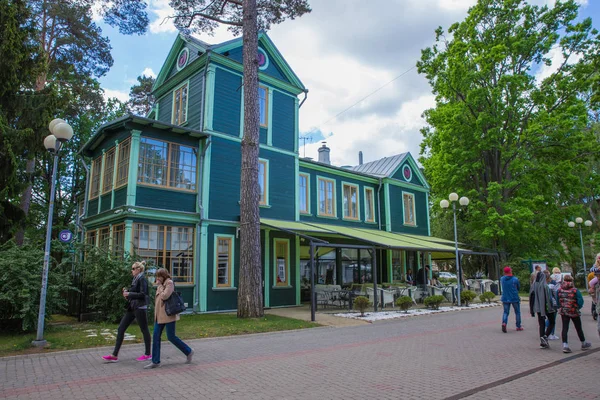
(510, 127)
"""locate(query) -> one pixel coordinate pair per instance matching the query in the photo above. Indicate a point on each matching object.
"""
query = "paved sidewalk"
(444, 356)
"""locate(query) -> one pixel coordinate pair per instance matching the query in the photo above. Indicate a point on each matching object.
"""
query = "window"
(282, 262)
(303, 193)
(95, 182)
(123, 163)
(118, 247)
(109, 169)
(263, 105)
(170, 247)
(369, 205)
(91, 237)
(350, 193)
(224, 260)
(104, 234)
(326, 197)
(409, 208)
(263, 179)
(180, 98)
(167, 164)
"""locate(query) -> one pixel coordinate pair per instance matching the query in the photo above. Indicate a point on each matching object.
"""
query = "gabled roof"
(382, 168)
(181, 40)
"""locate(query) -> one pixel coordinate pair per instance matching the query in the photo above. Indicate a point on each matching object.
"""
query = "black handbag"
(174, 304)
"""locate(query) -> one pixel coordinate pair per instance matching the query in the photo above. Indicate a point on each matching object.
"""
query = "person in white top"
(554, 285)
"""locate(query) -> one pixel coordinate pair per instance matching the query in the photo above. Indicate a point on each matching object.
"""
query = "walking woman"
(161, 320)
(137, 308)
(543, 303)
(571, 301)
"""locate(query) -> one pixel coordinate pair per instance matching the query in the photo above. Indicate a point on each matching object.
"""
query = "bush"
(487, 297)
(104, 278)
(404, 303)
(361, 303)
(467, 296)
(448, 281)
(20, 287)
(434, 302)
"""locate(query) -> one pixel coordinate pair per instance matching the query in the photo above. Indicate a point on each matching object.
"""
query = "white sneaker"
(553, 337)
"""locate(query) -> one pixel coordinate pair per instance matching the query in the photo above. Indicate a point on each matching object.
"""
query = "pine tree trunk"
(250, 284)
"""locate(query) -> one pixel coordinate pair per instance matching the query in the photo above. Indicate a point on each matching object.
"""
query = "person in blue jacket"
(510, 296)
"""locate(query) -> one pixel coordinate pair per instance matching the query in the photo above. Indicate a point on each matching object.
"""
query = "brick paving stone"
(428, 357)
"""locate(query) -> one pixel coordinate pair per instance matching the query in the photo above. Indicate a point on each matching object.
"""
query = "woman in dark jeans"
(137, 308)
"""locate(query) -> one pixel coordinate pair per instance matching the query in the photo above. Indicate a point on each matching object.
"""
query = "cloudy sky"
(344, 51)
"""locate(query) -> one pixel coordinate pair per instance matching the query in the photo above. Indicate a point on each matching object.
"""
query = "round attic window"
(183, 57)
(263, 59)
(407, 173)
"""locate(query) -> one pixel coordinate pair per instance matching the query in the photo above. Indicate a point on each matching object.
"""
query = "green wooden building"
(166, 187)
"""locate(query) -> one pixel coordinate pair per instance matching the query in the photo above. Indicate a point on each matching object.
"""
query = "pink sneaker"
(144, 358)
(110, 358)
(519, 328)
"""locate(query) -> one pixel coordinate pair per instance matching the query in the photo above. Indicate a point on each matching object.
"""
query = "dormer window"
(180, 100)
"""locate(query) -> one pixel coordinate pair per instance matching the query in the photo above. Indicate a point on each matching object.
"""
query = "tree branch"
(199, 14)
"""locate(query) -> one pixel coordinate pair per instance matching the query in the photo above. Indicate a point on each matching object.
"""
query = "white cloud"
(149, 72)
(162, 10)
(119, 94)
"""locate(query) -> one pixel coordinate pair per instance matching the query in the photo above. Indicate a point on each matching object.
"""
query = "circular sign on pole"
(65, 236)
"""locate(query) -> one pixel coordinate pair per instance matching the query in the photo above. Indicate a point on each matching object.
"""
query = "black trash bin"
(494, 288)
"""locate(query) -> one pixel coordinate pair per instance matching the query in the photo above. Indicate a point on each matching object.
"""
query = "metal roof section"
(371, 236)
(137, 122)
(382, 168)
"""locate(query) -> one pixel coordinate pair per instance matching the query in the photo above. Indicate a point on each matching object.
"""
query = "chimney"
(360, 159)
(324, 154)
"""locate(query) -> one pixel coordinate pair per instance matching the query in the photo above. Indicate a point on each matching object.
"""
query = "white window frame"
(333, 205)
(372, 191)
(414, 211)
(231, 269)
(307, 194)
(174, 117)
(265, 123)
(276, 266)
(265, 189)
(346, 203)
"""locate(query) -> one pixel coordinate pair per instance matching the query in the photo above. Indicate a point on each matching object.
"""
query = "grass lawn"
(65, 333)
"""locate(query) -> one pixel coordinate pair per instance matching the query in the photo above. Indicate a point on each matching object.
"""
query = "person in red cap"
(510, 296)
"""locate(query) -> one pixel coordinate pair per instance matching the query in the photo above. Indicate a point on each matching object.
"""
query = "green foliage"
(141, 99)
(20, 287)
(517, 145)
(486, 297)
(467, 296)
(404, 302)
(434, 301)
(104, 277)
(448, 281)
(361, 303)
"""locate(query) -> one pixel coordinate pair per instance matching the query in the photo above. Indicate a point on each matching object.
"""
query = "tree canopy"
(511, 128)
(141, 99)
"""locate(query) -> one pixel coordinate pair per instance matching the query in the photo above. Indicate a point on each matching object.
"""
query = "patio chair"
(387, 297)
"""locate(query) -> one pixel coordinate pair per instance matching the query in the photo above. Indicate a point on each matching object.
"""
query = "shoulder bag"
(174, 304)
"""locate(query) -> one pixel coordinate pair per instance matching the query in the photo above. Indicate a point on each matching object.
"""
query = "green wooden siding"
(339, 181)
(220, 299)
(283, 121)
(225, 182)
(414, 179)
(120, 196)
(397, 213)
(262, 135)
(105, 205)
(282, 296)
(165, 108)
(227, 102)
(195, 104)
(272, 70)
(187, 292)
(165, 199)
(92, 207)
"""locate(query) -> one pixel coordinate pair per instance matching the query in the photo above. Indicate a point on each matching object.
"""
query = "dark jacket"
(138, 293)
(422, 276)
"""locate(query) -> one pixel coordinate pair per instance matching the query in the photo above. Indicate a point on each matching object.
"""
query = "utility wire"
(367, 96)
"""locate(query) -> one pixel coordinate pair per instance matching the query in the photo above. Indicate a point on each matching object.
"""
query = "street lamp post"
(61, 132)
(464, 201)
(587, 223)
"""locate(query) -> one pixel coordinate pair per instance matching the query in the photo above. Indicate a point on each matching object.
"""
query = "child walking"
(571, 301)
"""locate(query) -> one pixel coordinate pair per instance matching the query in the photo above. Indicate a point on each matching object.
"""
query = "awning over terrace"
(440, 248)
